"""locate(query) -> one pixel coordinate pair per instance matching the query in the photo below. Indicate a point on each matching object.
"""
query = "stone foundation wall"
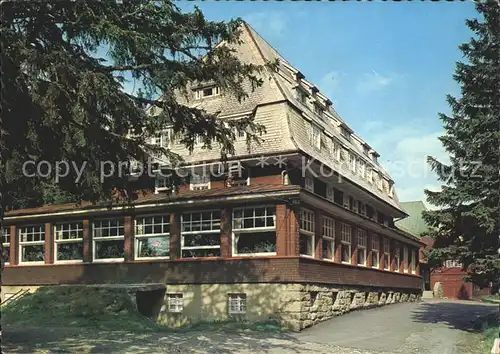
(303, 305)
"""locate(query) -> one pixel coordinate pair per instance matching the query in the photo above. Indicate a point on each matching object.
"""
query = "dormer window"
(391, 190)
(207, 92)
(163, 140)
(318, 110)
(315, 136)
(309, 183)
(345, 133)
(366, 150)
(199, 182)
(301, 96)
(335, 150)
(161, 184)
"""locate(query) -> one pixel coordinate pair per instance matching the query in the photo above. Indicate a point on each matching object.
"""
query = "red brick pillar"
(354, 245)
(293, 237)
(318, 233)
(369, 262)
(282, 230)
(49, 244)
(129, 244)
(226, 232)
(337, 258)
(175, 236)
(14, 246)
(87, 242)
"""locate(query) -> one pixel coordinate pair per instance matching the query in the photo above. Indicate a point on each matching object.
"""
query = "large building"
(299, 227)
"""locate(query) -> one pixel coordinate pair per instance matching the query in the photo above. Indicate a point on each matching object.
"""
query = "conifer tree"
(466, 223)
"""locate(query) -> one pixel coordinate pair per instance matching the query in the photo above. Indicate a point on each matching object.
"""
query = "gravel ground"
(424, 328)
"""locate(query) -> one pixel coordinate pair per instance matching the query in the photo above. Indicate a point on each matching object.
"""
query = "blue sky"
(386, 66)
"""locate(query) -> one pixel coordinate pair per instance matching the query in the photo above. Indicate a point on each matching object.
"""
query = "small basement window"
(175, 302)
(237, 303)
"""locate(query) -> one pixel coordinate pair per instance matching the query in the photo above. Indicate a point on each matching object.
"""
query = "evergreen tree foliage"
(64, 67)
(466, 224)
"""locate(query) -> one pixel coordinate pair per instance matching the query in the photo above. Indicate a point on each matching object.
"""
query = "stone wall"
(303, 305)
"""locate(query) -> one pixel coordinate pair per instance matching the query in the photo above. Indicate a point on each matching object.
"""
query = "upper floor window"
(6, 244)
(161, 183)
(352, 162)
(345, 133)
(361, 208)
(453, 264)
(397, 257)
(375, 251)
(328, 241)
(315, 136)
(346, 241)
(335, 150)
(366, 150)
(207, 92)
(68, 241)
(361, 241)
(32, 244)
(307, 230)
(302, 96)
(318, 110)
(199, 182)
(152, 234)
(164, 139)
(387, 254)
(309, 183)
(330, 193)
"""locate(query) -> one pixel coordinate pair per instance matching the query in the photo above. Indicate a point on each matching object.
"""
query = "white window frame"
(200, 186)
(309, 183)
(315, 136)
(387, 253)
(308, 227)
(452, 264)
(241, 182)
(200, 94)
(330, 193)
(361, 242)
(237, 303)
(6, 236)
(139, 235)
(213, 221)
(376, 249)
(41, 228)
(121, 225)
(346, 240)
(405, 259)
(413, 261)
(240, 229)
(161, 184)
(397, 257)
(66, 241)
(329, 234)
(164, 139)
(175, 302)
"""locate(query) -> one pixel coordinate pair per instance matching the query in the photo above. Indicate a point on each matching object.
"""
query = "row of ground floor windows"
(254, 233)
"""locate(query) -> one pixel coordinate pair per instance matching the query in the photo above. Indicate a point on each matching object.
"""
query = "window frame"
(335, 150)
(387, 253)
(330, 193)
(200, 186)
(175, 303)
(200, 93)
(112, 238)
(6, 236)
(309, 183)
(307, 227)
(212, 221)
(328, 234)
(406, 266)
(375, 247)
(241, 301)
(244, 230)
(397, 257)
(361, 243)
(57, 242)
(346, 240)
(31, 243)
(138, 237)
(315, 136)
(413, 261)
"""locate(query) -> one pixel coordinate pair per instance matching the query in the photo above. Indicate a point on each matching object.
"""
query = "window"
(380, 181)
(346, 241)
(237, 303)
(240, 182)
(375, 251)
(254, 231)
(175, 302)
(200, 234)
(387, 254)
(361, 168)
(68, 239)
(152, 236)
(318, 110)
(345, 133)
(346, 200)
(6, 244)
(207, 92)
(199, 182)
(309, 183)
(109, 239)
(361, 208)
(302, 96)
(453, 264)
(397, 257)
(405, 259)
(352, 162)
(315, 136)
(354, 205)
(164, 139)
(330, 193)
(361, 247)
(369, 175)
(238, 133)
(307, 229)
(413, 263)
(32, 244)
(335, 150)
(328, 238)
(391, 191)
(161, 183)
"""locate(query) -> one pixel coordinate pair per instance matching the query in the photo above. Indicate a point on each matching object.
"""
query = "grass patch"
(488, 325)
(77, 306)
(495, 299)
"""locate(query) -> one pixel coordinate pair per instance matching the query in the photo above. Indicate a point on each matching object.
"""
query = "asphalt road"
(431, 327)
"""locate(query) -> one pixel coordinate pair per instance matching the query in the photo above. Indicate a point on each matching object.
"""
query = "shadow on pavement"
(457, 315)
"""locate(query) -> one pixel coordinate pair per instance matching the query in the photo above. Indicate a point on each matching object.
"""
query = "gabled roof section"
(415, 223)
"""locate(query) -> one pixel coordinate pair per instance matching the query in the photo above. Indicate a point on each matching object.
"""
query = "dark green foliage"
(466, 225)
(61, 100)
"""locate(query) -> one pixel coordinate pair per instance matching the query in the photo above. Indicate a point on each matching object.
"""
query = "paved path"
(420, 328)
(434, 327)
